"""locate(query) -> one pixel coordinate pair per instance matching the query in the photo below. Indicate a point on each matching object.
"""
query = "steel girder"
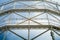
(27, 26)
(28, 10)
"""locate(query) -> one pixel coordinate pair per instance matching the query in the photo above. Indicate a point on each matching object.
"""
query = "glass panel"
(18, 19)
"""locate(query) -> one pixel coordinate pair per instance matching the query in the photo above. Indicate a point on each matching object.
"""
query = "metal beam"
(52, 35)
(56, 33)
(18, 35)
(39, 34)
(27, 10)
(55, 17)
(52, 3)
(27, 26)
(29, 0)
(29, 19)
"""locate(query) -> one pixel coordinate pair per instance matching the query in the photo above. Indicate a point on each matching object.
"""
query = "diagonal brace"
(18, 35)
(39, 34)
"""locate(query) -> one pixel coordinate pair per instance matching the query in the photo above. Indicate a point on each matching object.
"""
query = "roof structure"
(30, 15)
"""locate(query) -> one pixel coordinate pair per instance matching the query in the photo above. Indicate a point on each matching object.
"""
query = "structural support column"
(52, 34)
(29, 26)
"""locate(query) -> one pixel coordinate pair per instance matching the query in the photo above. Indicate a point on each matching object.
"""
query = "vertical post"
(52, 34)
(29, 27)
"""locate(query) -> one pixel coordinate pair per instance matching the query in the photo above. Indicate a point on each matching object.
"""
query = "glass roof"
(42, 17)
(30, 13)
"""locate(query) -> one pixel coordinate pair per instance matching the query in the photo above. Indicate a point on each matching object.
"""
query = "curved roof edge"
(28, 10)
(27, 26)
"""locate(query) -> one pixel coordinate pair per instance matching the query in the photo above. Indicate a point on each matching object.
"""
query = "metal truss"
(17, 26)
(40, 34)
(26, 10)
(27, 26)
